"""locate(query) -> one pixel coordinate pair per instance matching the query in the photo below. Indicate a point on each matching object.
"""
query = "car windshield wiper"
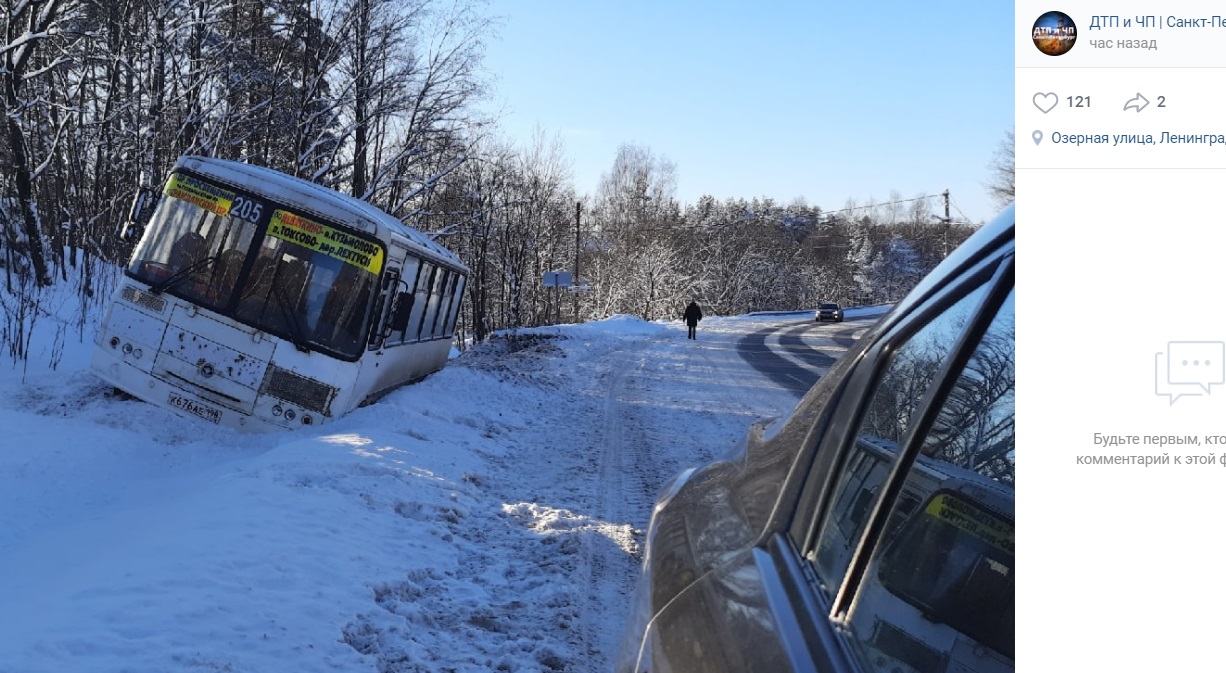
(178, 276)
(291, 320)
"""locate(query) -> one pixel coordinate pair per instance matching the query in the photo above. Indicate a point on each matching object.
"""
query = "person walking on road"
(692, 315)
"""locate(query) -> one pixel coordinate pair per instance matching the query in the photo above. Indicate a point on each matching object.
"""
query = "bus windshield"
(955, 562)
(269, 267)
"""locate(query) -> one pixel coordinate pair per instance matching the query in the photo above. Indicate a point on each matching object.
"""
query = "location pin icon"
(1038, 137)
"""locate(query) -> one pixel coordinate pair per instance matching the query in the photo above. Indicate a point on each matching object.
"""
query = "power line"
(878, 205)
(822, 213)
(964, 217)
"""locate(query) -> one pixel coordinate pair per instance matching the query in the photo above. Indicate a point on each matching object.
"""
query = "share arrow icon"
(1138, 103)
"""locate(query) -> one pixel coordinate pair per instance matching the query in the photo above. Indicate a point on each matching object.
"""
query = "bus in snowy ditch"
(256, 300)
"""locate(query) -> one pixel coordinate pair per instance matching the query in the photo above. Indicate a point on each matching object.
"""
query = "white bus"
(256, 300)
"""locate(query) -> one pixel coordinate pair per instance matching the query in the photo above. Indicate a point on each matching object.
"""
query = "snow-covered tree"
(895, 269)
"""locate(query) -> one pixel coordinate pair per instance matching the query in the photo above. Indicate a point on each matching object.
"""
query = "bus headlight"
(289, 414)
(276, 410)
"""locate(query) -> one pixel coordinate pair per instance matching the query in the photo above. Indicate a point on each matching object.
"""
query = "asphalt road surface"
(797, 354)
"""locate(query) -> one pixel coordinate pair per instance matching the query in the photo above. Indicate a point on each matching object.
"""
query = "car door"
(900, 556)
(877, 520)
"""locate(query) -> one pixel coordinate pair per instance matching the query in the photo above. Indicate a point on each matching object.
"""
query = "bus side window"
(408, 280)
(425, 279)
(437, 311)
(442, 328)
(401, 310)
(380, 328)
(432, 300)
(456, 297)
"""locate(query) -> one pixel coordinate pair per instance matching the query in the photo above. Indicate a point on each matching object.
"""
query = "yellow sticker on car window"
(197, 192)
(330, 241)
(972, 519)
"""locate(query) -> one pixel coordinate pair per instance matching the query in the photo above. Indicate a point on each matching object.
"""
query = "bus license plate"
(195, 408)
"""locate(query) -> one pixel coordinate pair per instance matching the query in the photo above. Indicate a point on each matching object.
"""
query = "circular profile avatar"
(1054, 33)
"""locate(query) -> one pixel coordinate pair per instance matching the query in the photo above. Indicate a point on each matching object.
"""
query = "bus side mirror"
(128, 232)
(131, 229)
(401, 311)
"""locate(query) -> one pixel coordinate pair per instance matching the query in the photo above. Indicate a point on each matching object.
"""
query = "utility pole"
(945, 243)
(575, 281)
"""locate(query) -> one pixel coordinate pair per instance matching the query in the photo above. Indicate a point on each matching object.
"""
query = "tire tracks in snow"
(651, 429)
(621, 487)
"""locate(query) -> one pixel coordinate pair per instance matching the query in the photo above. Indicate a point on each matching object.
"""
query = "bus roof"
(323, 201)
(946, 474)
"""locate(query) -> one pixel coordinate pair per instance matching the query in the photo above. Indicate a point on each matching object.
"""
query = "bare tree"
(24, 76)
(415, 71)
(635, 207)
(1001, 172)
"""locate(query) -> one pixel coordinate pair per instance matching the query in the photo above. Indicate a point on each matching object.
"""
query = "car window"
(938, 593)
(883, 427)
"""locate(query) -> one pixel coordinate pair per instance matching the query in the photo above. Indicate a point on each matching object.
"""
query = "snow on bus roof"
(328, 202)
(950, 474)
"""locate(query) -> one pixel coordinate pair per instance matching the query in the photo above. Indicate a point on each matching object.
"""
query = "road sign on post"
(556, 279)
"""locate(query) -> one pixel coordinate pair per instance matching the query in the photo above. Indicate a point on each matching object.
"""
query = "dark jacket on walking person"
(692, 315)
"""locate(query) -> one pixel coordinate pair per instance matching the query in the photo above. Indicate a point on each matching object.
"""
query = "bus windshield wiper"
(178, 276)
(291, 319)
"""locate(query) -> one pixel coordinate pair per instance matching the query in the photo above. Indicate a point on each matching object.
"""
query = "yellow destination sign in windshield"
(210, 197)
(321, 238)
(973, 520)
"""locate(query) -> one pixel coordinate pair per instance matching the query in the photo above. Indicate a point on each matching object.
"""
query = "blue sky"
(824, 101)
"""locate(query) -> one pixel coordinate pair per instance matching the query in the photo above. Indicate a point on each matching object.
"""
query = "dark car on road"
(829, 312)
(873, 529)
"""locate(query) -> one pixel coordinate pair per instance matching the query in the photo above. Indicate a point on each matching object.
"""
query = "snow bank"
(488, 518)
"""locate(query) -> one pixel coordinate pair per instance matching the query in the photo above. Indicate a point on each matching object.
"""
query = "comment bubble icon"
(1199, 363)
(1164, 388)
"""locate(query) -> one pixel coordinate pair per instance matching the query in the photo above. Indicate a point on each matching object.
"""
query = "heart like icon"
(1046, 102)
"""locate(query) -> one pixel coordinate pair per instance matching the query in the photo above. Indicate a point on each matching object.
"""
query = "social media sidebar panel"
(1121, 183)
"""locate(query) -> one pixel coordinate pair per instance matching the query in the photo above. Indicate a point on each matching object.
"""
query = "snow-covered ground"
(486, 519)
